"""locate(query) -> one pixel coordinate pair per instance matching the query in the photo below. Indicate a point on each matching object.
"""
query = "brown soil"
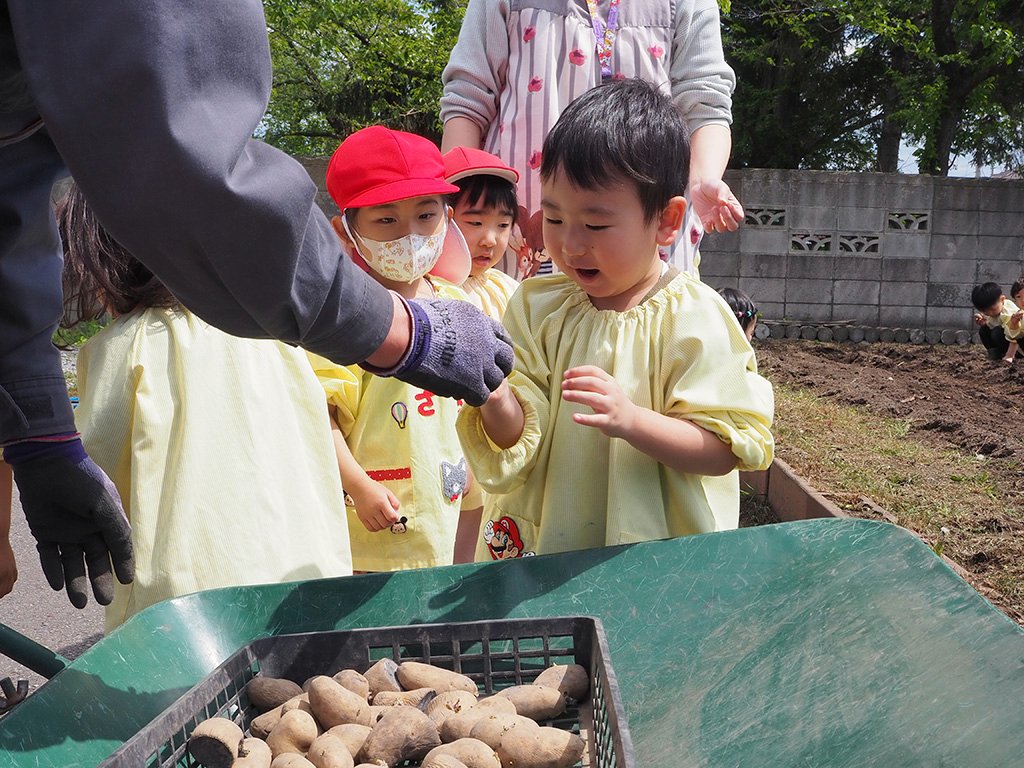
(951, 397)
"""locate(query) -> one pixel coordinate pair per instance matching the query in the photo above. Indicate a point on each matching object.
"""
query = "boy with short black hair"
(998, 320)
(635, 396)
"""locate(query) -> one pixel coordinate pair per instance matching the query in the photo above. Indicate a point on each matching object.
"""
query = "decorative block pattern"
(916, 221)
(765, 217)
(858, 243)
(810, 241)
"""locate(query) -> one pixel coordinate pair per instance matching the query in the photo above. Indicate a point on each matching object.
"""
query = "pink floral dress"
(518, 63)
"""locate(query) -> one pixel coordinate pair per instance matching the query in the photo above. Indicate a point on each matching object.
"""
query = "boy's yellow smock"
(1003, 319)
(564, 486)
(221, 450)
(403, 437)
(490, 291)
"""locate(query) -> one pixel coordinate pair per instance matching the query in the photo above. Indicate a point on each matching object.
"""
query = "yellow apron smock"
(404, 437)
(221, 450)
(564, 486)
(490, 291)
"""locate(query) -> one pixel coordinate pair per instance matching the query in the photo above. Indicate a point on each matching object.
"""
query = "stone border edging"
(856, 333)
(792, 498)
(788, 494)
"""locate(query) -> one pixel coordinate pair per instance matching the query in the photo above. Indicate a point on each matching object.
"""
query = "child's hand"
(1015, 320)
(979, 319)
(376, 506)
(589, 385)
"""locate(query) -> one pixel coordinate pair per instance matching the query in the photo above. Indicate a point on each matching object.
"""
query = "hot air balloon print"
(400, 412)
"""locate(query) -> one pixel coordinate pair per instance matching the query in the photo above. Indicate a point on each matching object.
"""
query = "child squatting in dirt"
(999, 320)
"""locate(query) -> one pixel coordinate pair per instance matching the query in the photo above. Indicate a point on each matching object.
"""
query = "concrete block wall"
(868, 249)
(872, 249)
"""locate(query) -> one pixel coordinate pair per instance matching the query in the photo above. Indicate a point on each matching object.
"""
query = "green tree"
(839, 83)
(807, 95)
(972, 53)
(340, 65)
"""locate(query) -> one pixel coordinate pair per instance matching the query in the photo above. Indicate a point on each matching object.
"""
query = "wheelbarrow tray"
(494, 654)
(840, 643)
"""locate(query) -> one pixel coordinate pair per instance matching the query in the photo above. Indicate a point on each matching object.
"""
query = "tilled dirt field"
(950, 396)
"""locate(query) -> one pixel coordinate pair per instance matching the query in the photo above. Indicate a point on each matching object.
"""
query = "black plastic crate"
(496, 654)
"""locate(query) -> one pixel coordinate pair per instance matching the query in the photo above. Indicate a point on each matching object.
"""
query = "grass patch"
(948, 497)
(847, 451)
(78, 334)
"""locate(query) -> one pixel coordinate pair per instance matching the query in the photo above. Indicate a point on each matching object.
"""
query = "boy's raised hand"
(614, 413)
(376, 506)
(455, 351)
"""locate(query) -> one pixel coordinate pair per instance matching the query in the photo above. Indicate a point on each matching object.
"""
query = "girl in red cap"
(485, 210)
(405, 478)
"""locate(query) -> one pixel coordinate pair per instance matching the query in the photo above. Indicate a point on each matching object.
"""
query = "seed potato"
(214, 742)
(294, 732)
(402, 733)
(415, 674)
(253, 753)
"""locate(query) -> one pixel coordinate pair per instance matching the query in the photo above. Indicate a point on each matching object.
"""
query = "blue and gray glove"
(75, 515)
(456, 351)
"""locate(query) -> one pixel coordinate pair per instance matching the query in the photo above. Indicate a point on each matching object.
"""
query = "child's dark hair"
(623, 129)
(99, 275)
(485, 191)
(740, 304)
(985, 295)
(1017, 287)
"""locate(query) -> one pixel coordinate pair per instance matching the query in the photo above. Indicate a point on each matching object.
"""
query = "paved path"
(35, 610)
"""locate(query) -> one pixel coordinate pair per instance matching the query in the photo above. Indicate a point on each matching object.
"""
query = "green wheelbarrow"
(30, 654)
(816, 643)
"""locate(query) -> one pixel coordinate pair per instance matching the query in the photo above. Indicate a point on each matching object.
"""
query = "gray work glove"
(76, 517)
(455, 351)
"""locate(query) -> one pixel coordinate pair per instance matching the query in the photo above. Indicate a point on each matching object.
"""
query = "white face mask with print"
(403, 260)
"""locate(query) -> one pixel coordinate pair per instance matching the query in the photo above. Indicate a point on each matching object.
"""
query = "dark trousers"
(995, 342)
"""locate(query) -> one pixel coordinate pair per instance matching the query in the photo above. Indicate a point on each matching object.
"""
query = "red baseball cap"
(461, 162)
(377, 165)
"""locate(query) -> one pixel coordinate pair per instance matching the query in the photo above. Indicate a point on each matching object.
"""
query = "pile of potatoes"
(397, 714)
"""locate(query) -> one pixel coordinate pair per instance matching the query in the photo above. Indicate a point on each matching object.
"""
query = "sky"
(961, 166)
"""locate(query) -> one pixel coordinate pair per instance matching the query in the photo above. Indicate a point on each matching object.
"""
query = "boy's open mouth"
(588, 273)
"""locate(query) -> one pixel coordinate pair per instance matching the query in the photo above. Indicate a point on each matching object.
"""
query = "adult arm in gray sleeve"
(477, 66)
(152, 106)
(702, 82)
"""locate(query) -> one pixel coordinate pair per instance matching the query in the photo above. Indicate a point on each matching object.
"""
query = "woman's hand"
(716, 206)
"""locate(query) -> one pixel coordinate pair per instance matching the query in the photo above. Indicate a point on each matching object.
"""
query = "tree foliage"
(341, 65)
(838, 83)
(833, 84)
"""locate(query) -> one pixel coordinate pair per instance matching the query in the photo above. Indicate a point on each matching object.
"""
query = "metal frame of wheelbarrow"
(27, 652)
